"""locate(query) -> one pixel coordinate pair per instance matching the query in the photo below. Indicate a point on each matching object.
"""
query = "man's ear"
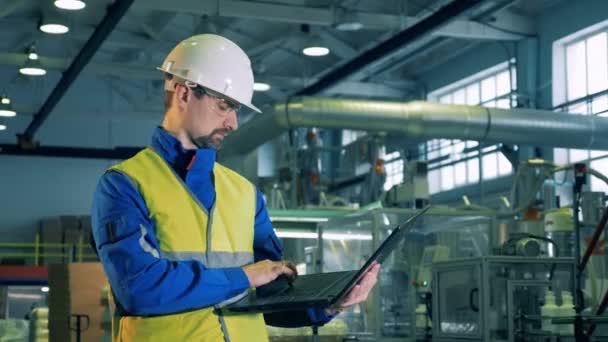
(182, 94)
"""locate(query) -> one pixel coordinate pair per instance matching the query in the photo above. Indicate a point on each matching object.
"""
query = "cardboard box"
(76, 289)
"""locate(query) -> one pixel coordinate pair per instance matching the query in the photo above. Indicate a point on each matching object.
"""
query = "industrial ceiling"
(104, 66)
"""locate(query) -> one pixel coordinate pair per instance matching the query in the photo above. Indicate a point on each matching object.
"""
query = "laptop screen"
(383, 251)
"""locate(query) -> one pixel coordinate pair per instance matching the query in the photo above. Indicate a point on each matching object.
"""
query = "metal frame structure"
(482, 266)
(115, 12)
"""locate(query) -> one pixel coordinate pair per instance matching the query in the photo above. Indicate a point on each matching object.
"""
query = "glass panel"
(446, 99)
(445, 142)
(597, 63)
(602, 166)
(447, 178)
(445, 150)
(473, 169)
(579, 108)
(472, 143)
(489, 165)
(488, 89)
(503, 103)
(459, 97)
(457, 288)
(434, 181)
(576, 71)
(600, 105)
(597, 153)
(514, 78)
(504, 166)
(392, 155)
(560, 156)
(394, 173)
(578, 155)
(503, 86)
(460, 173)
(458, 146)
(473, 94)
(489, 104)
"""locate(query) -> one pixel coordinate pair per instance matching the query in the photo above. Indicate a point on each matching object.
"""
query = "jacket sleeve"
(144, 283)
(267, 245)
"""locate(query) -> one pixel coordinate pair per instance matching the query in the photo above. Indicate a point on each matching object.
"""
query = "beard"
(207, 141)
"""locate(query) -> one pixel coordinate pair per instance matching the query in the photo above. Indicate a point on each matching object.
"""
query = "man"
(179, 234)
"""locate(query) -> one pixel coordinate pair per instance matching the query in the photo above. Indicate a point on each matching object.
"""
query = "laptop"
(320, 290)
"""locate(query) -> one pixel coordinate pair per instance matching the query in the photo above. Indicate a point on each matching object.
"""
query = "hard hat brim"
(248, 105)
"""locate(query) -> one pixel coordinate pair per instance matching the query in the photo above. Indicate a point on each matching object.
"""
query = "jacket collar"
(172, 151)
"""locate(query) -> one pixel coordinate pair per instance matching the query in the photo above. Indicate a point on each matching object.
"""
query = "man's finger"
(292, 267)
(351, 297)
(370, 278)
(288, 269)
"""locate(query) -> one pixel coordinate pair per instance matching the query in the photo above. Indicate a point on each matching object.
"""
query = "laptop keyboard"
(308, 287)
(315, 284)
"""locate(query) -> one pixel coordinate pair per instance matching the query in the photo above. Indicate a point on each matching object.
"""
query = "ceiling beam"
(389, 47)
(118, 38)
(337, 46)
(320, 16)
(140, 72)
(477, 31)
(115, 12)
(11, 7)
(357, 89)
(118, 153)
(147, 114)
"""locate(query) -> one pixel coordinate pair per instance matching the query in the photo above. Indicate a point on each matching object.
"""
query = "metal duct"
(426, 120)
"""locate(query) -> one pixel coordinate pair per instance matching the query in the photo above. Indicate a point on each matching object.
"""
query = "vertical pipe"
(37, 249)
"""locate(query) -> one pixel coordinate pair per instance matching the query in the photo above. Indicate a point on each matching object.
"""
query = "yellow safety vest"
(185, 231)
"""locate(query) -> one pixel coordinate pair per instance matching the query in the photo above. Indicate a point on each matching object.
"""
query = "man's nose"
(232, 121)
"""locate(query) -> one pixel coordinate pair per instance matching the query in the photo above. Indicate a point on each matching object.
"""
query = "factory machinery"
(471, 273)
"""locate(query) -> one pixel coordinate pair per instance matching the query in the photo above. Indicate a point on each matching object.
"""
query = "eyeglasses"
(222, 105)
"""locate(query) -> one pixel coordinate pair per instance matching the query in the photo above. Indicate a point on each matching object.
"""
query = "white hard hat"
(213, 62)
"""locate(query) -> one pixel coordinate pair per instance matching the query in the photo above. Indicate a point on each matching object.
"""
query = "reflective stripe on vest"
(217, 259)
(185, 231)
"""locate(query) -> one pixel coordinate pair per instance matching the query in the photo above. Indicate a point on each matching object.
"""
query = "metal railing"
(37, 251)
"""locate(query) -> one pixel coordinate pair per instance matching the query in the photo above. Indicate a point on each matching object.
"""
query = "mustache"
(205, 141)
(224, 131)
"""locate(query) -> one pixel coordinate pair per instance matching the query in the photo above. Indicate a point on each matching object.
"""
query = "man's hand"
(359, 293)
(263, 272)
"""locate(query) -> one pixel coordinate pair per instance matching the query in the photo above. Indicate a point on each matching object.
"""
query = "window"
(581, 88)
(349, 136)
(394, 169)
(454, 163)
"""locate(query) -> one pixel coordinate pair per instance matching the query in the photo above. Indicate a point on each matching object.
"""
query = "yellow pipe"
(80, 248)
(36, 250)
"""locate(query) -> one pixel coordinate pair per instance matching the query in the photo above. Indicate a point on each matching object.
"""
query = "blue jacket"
(128, 253)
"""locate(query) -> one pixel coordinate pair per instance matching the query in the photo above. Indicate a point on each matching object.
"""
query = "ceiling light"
(32, 67)
(54, 28)
(296, 234)
(71, 5)
(349, 26)
(315, 51)
(31, 53)
(311, 41)
(5, 107)
(54, 23)
(2, 127)
(258, 86)
(44, 289)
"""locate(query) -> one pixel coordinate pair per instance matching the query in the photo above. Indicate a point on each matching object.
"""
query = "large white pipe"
(424, 120)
